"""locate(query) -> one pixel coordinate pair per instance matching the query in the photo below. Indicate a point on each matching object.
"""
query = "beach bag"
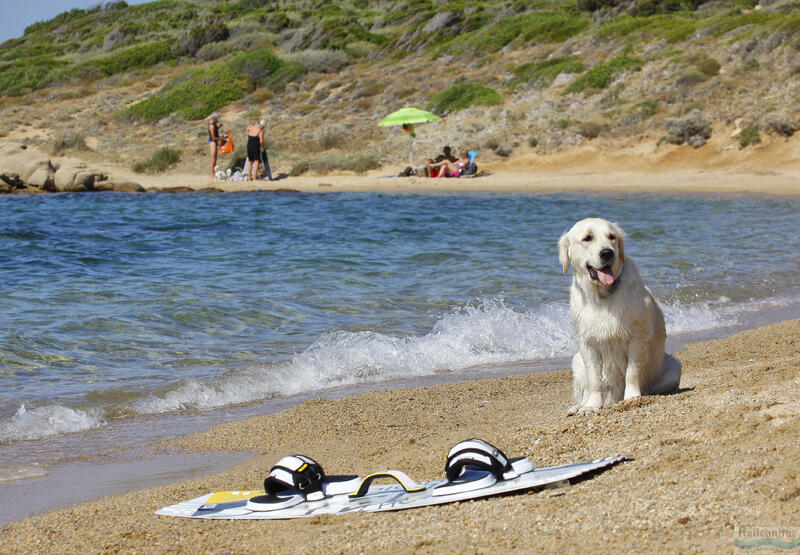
(225, 143)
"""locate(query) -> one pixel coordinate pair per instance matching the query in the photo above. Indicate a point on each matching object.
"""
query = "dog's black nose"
(606, 255)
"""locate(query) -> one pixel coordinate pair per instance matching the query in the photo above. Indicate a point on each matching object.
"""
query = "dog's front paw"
(588, 409)
(573, 410)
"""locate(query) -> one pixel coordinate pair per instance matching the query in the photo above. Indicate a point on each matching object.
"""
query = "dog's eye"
(612, 236)
(588, 238)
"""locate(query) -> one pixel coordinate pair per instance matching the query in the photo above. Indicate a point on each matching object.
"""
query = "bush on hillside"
(708, 67)
(68, 141)
(267, 69)
(601, 76)
(162, 159)
(198, 35)
(463, 95)
(194, 94)
(749, 136)
(542, 74)
(322, 61)
(539, 26)
(25, 75)
(143, 55)
(647, 108)
(333, 136)
(212, 51)
(691, 128)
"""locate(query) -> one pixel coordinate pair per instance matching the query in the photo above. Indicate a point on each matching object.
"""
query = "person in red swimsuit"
(454, 169)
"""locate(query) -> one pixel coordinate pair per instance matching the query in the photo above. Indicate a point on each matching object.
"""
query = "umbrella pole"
(411, 152)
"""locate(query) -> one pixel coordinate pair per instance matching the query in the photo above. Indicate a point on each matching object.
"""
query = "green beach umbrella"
(407, 117)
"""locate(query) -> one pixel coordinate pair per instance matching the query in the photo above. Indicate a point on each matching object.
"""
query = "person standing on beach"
(255, 143)
(213, 140)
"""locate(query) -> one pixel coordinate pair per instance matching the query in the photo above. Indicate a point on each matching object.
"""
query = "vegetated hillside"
(118, 81)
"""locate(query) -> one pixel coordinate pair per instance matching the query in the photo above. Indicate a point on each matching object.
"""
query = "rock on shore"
(25, 169)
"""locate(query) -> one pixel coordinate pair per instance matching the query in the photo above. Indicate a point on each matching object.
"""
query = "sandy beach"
(636, 165)
(721, 453)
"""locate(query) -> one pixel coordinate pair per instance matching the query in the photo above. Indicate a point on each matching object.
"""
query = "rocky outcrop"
(129, 187)
(23, 161)
(27, 170)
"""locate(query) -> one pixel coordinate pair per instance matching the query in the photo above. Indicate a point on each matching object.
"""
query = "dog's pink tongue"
(605, 277)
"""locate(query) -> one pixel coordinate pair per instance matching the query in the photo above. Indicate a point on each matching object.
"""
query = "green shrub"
(340, 31)
(57, 21)
(212, 51)
(143, 55)
(543, 73)
(690, 79)
(647, 108)
(708, 67)
(749, 136)
(198, 35)
(463, 95)
(259, 65)
(322, 61)
(538, 26)
(162, 159)
(194, 94)
(751, 65)
(601, 76)
(25, 75)
(267, 69)
(672, 28)
(369, 87)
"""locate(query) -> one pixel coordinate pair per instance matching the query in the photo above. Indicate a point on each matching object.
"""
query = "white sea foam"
(48, 421)
(11, 474)
(484, 334)
(487, 333)
(686, 319)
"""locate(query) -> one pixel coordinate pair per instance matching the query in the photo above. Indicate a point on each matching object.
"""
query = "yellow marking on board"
(231, 496)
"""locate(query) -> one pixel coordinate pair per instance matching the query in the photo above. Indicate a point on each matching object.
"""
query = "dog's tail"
(670, 379)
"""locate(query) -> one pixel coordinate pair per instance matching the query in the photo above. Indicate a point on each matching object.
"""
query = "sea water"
(152, 315)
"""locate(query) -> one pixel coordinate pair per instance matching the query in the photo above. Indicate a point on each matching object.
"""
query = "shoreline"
(644, 166)
(691, 182)
(715, 455)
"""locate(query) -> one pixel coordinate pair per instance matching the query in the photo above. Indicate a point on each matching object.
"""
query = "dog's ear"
(563, 252)
(621, 242)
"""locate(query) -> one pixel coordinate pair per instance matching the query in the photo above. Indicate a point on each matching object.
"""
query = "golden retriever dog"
(620, 326)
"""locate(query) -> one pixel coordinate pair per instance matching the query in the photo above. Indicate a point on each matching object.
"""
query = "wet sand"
(720, 453)
(502, 180)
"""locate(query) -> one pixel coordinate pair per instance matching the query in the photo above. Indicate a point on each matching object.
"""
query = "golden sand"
(720, 453)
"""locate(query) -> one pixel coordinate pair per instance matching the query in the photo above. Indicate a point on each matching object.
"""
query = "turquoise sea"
(128, 317)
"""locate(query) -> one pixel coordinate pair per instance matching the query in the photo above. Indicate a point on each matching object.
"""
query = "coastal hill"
(542, 83)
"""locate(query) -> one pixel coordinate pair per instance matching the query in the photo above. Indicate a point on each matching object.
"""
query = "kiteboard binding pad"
(297, 487)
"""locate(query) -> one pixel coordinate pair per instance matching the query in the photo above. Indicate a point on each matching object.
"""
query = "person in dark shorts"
(255, 142)
(213, 140)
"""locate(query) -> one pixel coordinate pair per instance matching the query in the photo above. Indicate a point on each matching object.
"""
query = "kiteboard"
(471, 475)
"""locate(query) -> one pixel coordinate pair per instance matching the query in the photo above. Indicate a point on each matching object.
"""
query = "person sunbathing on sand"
(453, 169)
(436, 162)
